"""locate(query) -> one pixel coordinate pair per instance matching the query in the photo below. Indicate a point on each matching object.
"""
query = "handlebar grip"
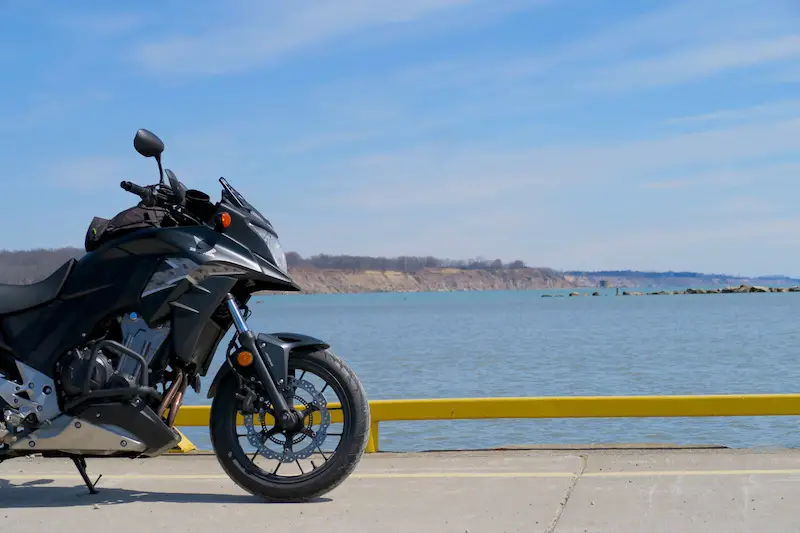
(142, 192)
(132, 187)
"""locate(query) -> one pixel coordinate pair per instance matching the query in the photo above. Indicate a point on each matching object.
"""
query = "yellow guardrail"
(548, 407)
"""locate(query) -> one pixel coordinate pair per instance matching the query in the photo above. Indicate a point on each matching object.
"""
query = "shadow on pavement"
(36, 494)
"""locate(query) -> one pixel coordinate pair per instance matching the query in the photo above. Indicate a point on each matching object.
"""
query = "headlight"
(274, 246)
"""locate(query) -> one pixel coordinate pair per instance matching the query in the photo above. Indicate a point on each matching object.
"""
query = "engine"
(74, 369)
(108, 370)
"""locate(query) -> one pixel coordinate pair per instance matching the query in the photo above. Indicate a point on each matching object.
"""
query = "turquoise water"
(477, 344)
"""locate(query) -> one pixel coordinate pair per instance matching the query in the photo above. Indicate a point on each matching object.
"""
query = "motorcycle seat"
(15, 298)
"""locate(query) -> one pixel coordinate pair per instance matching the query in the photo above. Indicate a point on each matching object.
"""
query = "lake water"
(478, 344)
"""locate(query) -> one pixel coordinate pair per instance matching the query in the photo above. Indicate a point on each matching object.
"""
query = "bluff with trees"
(406, 264)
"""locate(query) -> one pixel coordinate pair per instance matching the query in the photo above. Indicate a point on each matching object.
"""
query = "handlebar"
(145, 193)
(152, 197)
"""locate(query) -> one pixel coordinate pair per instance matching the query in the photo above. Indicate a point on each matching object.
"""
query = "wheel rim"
(259, 461)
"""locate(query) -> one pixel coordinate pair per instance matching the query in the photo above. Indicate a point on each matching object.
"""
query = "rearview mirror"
(148, 144)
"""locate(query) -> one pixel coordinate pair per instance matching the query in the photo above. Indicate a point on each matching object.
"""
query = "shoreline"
(370, 281)
(573, 291)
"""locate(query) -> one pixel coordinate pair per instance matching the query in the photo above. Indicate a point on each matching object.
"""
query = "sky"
(573, 134)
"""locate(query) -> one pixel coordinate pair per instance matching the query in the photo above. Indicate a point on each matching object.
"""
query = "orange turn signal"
(244, 358)
(224, 219)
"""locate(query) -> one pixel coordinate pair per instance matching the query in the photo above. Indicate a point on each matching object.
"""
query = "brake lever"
(151, 200)
(167, 201)
(162, 196)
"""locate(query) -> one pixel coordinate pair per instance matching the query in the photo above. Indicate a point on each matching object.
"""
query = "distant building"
(604, 283)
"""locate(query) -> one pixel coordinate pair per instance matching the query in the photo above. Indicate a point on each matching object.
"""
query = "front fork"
(285, 416)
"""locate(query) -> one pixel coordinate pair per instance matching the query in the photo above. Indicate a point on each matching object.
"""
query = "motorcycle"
(95, 360)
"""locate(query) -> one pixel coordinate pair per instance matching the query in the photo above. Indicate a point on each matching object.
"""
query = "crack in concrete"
(563, 504)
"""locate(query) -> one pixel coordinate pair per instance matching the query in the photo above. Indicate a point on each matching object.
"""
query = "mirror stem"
(160, 171)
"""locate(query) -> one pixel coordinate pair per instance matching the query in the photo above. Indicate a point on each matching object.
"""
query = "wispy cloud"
(674, 43)
(754, 174)
(259, 32)
(778, 109)
(720, 245)
(688, 65)
(477, 172)
(630, 54)
(745, 205)
(685, 23)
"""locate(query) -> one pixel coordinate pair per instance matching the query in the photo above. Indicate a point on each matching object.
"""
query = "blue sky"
(575, 134)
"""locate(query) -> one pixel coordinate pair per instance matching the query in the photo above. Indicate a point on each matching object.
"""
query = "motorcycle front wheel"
(301, 466)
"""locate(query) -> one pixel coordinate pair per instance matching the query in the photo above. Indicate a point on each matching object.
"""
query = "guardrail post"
(372, 443)
(184, 445)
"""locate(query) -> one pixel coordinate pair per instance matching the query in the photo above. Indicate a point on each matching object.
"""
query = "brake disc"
(258, 438)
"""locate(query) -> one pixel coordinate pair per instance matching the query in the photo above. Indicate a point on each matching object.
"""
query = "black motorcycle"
(95, 360)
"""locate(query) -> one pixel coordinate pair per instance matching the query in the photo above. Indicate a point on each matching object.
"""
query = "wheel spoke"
(309, 410)
(298, 466)
(323, 453)
(263, 436)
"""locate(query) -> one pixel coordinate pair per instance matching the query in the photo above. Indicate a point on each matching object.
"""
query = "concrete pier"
(628, 490)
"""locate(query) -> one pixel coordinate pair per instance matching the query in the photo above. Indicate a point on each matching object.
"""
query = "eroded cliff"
(318, 281)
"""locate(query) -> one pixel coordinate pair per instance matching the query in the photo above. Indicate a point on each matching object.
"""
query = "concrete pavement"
(554, 491)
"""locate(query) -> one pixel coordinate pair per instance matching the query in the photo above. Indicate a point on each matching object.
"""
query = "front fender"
(275, 348)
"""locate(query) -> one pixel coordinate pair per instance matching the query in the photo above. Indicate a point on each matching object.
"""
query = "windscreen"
(233, 196)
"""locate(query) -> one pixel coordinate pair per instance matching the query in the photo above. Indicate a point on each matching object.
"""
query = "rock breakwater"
(740, 289)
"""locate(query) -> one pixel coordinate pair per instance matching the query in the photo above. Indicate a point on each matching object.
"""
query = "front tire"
(269, 486)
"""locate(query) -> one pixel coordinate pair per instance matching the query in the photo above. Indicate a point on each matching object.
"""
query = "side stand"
(80, 464)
